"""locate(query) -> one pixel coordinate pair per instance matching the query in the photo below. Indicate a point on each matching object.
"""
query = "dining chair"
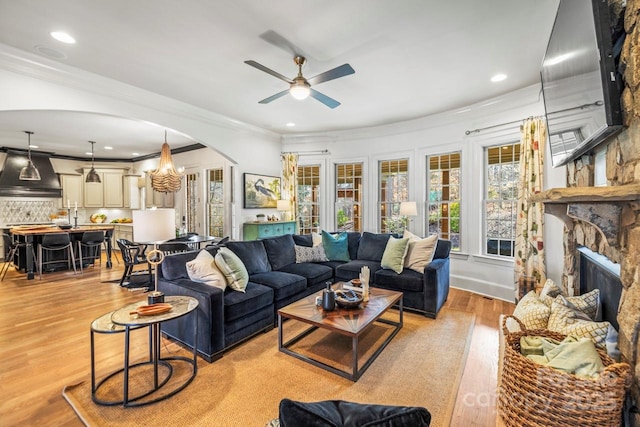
(108, 236)
(52, 243)
(133, 257)
(91, 241)
(173, 248)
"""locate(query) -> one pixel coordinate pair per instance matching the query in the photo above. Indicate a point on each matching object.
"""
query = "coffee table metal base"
(356, 371)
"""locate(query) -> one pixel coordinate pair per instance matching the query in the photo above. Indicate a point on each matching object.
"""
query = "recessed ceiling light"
(88, 153)
(63, 37)
(34, 146)
(498, 78)
(290, 125)
(106, 147)
(135, 154)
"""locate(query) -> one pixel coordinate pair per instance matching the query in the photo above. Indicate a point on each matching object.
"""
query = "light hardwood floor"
(45, 345)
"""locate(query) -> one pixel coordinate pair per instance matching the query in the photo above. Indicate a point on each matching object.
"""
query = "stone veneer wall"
(623, 168)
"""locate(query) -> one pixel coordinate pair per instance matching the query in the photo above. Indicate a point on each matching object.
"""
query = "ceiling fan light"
(299, 90)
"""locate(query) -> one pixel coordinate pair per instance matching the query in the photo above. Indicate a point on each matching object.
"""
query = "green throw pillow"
(336, 248)
(394, 253)
(233, 269)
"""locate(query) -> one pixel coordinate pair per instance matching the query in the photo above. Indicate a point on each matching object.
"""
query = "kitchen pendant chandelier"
(29, 172)
(92, 176)
(166, 179)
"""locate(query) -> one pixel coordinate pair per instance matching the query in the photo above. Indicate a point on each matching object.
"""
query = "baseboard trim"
(482, 287)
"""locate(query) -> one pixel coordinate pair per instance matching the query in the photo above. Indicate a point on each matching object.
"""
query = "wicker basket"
(531, 394)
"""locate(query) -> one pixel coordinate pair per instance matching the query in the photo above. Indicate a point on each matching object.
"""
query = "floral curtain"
(289, 189)
(529, 245)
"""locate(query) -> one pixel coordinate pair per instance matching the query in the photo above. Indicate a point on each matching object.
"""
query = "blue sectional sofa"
(228, 317)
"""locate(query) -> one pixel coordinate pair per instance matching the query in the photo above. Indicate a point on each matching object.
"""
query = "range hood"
(12, 186)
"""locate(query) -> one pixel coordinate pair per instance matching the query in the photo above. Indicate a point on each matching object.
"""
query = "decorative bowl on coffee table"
(348, 299)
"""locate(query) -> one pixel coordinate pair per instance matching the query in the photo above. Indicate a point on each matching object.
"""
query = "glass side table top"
(180, 307)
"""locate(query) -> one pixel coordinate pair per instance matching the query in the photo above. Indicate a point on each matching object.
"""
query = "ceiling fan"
(300, 87)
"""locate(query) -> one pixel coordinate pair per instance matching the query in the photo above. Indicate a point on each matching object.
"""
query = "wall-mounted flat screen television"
(580, 81)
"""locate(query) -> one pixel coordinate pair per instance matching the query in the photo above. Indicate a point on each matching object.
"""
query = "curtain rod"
(580, 107)
(307, 153)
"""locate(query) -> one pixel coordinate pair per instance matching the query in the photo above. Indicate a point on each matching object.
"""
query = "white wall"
(431, 135)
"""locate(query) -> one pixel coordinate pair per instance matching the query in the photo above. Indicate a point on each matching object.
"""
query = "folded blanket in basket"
(576, 356)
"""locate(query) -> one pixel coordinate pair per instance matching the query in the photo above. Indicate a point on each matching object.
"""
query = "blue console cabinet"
(261, 230)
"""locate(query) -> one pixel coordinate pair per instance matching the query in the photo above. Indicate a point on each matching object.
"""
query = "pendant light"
(166, 179)
(92, 176)
(29, 172)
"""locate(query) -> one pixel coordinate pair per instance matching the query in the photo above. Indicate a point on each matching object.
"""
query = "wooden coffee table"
(351, 322)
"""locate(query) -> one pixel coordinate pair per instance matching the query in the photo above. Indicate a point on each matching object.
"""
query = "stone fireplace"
(607, 219)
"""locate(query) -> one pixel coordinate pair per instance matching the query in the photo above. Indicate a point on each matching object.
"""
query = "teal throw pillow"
(394, 254)
(233, 269)
(335, 247)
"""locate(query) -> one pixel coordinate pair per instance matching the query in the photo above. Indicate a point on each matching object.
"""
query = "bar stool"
(92, 240)
(53, 243)
(10, 249)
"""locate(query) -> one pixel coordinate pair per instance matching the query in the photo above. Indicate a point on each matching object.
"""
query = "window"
(215, 202)
(443, 185)
(503, 170)
(394, 189)
(349, 196)
(308, 198)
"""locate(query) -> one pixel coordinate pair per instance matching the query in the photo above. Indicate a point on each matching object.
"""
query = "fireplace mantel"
(606, 208)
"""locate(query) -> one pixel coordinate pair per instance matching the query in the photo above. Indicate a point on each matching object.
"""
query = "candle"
(76, 209)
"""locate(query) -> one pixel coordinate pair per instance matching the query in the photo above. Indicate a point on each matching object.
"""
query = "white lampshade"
(154, 225)
(408, 209)
(283, 205)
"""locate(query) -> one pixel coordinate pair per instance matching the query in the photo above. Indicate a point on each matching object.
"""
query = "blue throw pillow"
(335, 247)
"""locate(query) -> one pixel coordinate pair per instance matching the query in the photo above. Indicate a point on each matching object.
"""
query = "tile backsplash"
(26, 211)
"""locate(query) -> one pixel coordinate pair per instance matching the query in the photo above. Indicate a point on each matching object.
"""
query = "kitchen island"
(33, 235)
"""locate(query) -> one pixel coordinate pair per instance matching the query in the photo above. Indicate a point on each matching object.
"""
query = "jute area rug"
(422, 366)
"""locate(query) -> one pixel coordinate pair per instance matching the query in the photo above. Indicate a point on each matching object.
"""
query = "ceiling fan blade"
(341, 71)
(329, 102)
(274, 97)
(268, 71)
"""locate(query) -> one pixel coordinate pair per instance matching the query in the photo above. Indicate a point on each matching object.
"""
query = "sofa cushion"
(371, 246)
(409, 280)
(174, 266)
(303, 240)
(233, 269)
(336, 413)
(314, 273)
(280, 251)
(420, 252)
(336, 247)
(204, 269)
(351, 270)
(394, 254)
(239, 304)
(283, 284)
(310, 254)
(253, 255)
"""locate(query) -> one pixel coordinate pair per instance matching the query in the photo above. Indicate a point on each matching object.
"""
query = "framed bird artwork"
(261, 191)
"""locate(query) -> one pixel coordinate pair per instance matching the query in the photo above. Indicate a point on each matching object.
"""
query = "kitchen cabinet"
(122, 232)
(131, 192)
(261, 230)
(105, 194)
(156, 198)
(71, 190)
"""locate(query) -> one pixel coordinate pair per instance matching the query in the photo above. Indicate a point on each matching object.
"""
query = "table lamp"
(408, 209)
(283, 207)
(154, 226)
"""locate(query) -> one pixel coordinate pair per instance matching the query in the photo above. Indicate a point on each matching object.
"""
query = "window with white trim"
(443, 186)
(502, 166)
(308, 198)
(394, 189)
(349, 196)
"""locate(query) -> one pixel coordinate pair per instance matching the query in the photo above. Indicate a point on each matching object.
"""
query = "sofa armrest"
(210, 316)
(436, 285)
